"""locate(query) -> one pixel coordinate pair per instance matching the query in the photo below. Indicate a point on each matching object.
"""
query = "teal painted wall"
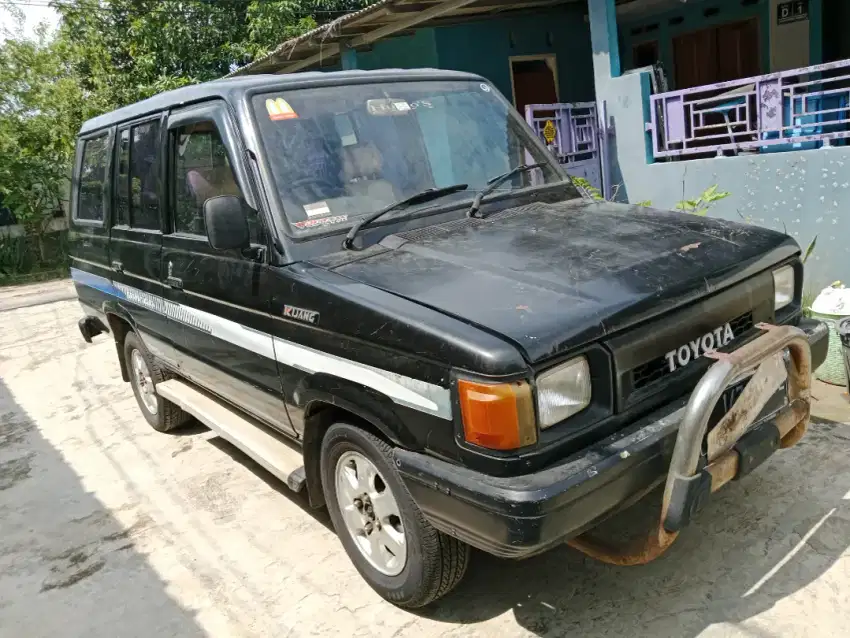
(485, 46)
(693, 20)
(803, 193)
(405, 52)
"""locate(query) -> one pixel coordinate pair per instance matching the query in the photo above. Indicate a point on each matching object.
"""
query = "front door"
(717, 54)
(221, 298)
(534, 81)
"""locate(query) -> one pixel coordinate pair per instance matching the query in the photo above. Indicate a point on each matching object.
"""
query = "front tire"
(145, 373)
(400, 555)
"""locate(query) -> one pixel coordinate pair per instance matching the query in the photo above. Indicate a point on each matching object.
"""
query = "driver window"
(201, 170)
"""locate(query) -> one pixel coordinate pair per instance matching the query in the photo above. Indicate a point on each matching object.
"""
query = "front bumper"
(525, 515)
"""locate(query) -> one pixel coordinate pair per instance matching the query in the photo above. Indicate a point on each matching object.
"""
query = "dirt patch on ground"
(14, 471)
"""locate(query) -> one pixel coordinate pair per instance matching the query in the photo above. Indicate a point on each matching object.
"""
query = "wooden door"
(694, 56)
(717, 54)
(738, 50)
(534, 83)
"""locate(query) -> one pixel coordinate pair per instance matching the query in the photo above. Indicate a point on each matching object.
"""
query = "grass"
(808, 299)
(33, 277)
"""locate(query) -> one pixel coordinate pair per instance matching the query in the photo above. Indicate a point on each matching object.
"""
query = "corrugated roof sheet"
(285, 49)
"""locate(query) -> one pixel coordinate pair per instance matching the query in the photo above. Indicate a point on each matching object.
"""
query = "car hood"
(552, 277)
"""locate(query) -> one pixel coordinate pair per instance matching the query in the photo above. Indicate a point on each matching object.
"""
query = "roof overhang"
(377, 21)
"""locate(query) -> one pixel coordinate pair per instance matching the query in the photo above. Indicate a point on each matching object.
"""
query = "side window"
(144, 175)
(201, 170)
(122, 179)
(91, 204)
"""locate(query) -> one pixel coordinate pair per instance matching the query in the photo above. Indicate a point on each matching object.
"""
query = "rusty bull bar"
(687, 484)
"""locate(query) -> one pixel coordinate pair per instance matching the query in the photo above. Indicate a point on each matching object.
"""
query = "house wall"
(418, 50)
(485, 47)
(782, 47)
(789, 43)
(803, 193)
(635, 31)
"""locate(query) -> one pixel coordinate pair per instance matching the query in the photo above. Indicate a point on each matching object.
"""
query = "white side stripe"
(404, 390)
(172, 310)
(257, 342)
(413, 393)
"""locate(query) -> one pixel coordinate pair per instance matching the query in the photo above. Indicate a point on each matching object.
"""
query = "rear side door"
(136, 233)
(89, 235)
(222, 297)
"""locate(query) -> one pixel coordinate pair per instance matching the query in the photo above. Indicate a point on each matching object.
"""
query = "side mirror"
(226, 222)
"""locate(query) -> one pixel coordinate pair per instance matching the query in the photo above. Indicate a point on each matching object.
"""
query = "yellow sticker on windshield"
(279, 109)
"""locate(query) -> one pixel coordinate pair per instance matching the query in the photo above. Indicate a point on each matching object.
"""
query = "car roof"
(232, 89)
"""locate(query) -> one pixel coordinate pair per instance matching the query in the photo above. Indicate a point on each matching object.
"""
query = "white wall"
(789, 43)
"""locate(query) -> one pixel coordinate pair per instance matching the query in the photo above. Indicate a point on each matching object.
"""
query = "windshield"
(343, 152)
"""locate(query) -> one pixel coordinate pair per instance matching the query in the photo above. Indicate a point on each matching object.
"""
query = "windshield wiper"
(494, 182)
(419, 198)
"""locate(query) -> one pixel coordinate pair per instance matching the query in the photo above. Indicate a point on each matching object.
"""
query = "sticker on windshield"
(279, 109)
(320, 221)
(485, 87)
(387, 107)
(317, 209)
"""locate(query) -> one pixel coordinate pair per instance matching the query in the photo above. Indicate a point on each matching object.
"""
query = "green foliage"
(810, 249)
(105, 54)
(21, 261)
(809, 297)
(698, 206)
(127, 50)
(40, 112)
(587, 189)
(703, 202)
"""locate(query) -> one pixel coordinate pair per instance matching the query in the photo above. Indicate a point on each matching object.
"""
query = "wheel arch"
(119, 327)
(321, 411)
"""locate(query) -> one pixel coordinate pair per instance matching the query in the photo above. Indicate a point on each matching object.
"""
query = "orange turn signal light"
(497, 416)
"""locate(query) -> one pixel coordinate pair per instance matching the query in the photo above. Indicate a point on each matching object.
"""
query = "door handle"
(171, 280)
(117, 266)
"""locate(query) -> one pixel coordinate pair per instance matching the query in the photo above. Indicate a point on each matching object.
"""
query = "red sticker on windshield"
(320, 221)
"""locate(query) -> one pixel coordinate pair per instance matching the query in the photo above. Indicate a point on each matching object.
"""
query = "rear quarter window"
(144, 171)
(91, 205)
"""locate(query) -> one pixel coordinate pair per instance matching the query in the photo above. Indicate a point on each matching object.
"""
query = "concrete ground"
(25, 296)
(108, 528)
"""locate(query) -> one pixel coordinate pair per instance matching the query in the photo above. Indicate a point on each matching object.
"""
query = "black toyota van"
(383, 288)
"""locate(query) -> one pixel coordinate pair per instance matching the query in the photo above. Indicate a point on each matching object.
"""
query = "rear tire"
(145, 372)
(357, 467)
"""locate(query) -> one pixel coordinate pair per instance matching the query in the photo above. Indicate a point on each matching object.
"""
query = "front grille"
(648, 373)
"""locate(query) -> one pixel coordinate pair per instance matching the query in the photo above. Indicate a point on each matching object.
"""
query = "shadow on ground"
(68, 567)
(759, 540)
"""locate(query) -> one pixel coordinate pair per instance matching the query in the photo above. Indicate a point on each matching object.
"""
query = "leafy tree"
(126, 50)
(108, 53)
(41, 107)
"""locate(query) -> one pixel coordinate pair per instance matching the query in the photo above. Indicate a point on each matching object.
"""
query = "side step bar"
(269, 449)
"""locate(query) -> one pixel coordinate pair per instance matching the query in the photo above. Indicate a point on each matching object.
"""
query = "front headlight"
(783, 287)
(563, 392)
